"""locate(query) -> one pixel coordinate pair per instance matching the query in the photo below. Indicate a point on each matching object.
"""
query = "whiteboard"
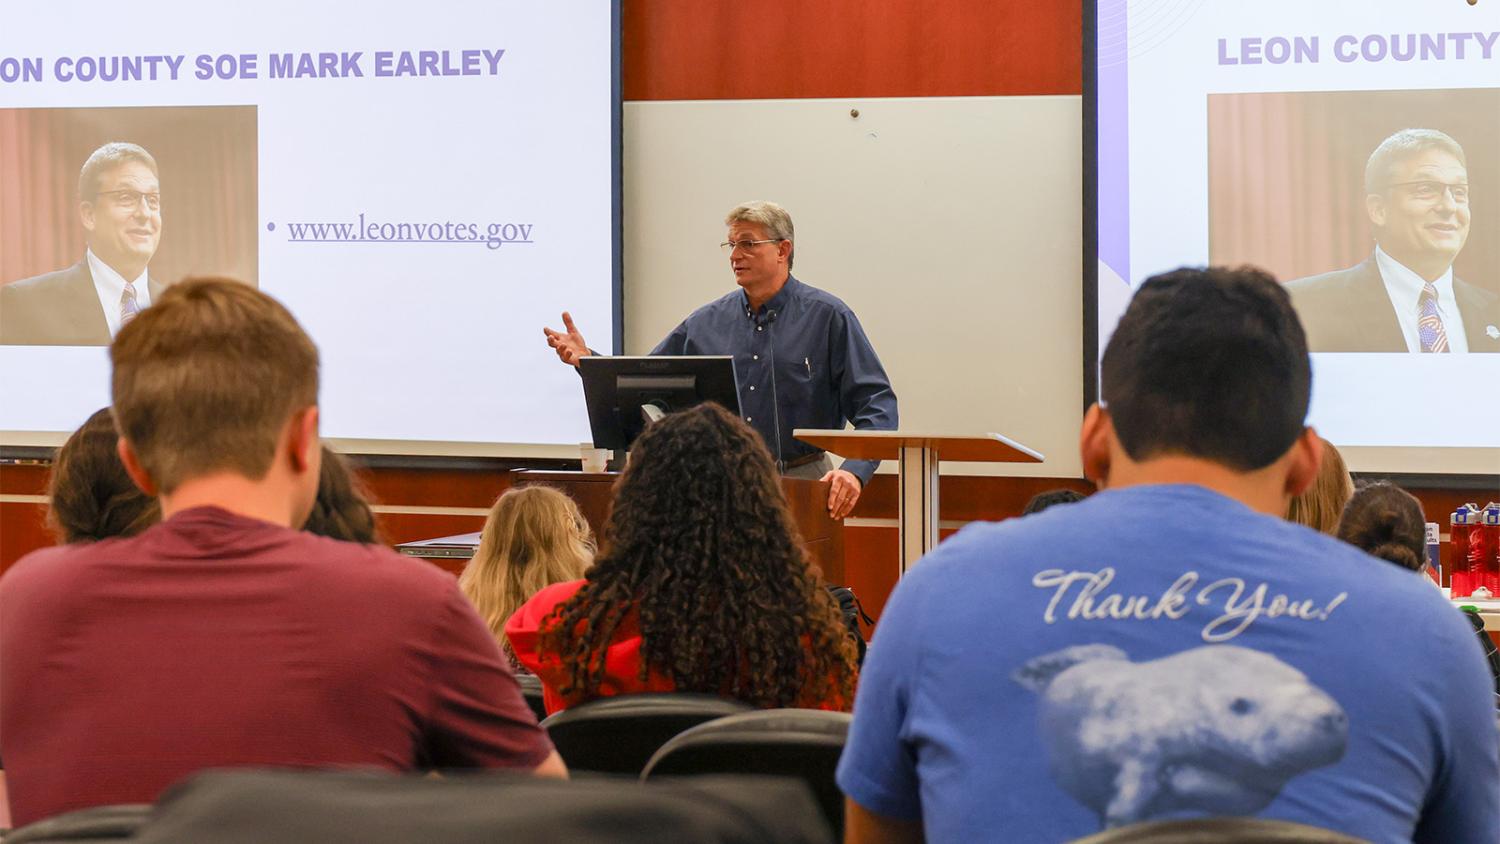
(950, 225)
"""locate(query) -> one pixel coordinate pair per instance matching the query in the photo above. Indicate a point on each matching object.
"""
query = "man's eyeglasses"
(745, 245)
(1427, 190)
(127, 200)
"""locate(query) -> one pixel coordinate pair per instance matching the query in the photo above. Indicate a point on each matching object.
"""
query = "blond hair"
(533, 537)
(206, 379)
(1320, 506)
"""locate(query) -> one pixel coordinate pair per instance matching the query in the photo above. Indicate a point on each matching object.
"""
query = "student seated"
(1172, 647)
(342, 508)
(533, 537)
(703, 585)
(222, 636)
(1386, 521)
(1051, 498)
(89, 495)
(1320, 505)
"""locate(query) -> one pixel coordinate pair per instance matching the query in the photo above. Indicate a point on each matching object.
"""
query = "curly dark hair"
(89, 495)
(342, 508)
(1386, 521)
(701, 543)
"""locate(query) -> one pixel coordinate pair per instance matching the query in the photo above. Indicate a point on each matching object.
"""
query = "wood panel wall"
(415, 503)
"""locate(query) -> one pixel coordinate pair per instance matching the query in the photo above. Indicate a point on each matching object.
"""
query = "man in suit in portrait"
(1404, 297)
(119, 205)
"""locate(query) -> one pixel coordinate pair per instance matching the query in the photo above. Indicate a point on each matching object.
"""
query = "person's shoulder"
(40, 285)
(549, 597)
(732, 301)
(1468, 293)
(971, 554)
(528, 618)
(364, 575)
(1332, 283)
(60, 571)
(818, 297)
(377, 565)
(43, 565)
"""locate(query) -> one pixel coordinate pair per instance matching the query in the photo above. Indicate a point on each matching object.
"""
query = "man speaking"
(801, 356)
(119, 205)
(1405, 298)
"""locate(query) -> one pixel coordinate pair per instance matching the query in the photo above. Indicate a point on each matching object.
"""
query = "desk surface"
(458, 546)
(869, 444)
(1488, 610)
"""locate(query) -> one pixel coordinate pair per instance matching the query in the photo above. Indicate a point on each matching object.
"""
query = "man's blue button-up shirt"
(803, 361)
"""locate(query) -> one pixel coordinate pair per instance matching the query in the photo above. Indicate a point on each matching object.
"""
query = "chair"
(531, 690)
(801, 743)
(314, 807)
(99, 823)
(617, 735)
(1219, 831)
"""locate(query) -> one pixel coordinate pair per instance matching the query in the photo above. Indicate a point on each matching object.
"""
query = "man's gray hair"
(107, 158)
(1403, 144)
(769, 216)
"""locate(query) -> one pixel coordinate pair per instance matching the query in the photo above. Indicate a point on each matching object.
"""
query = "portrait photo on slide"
(101, 209)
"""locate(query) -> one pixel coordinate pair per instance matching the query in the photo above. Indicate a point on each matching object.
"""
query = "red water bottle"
(1465, 571)
(1486, 536)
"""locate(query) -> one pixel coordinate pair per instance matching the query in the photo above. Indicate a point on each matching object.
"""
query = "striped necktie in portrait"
(1429, 322)
(129, 307)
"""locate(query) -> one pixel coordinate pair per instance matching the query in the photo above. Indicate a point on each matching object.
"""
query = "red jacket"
(622, 659)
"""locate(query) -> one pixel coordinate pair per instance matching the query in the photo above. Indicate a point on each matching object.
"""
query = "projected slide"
(424, 185)
(1350, 148)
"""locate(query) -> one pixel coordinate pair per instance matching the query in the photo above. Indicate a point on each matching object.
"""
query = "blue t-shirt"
(1164, 652)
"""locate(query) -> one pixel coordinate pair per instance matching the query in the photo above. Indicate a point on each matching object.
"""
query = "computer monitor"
(624, 393)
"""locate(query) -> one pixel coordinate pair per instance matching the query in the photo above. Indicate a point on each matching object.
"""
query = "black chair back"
(1219, 831)
(531, 690)
(801, 743)
(292, 807)
(100, 823)
(617, 735)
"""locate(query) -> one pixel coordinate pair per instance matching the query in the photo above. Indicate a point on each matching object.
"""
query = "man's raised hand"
(568, 343)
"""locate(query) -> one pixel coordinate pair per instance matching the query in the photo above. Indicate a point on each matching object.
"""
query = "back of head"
(1386, 521)
(1051, 498)
(1208, 363)
(206, 379)
(342, 509)
(534, 537)
(1321, 505)
(89, 494)
(700, 540)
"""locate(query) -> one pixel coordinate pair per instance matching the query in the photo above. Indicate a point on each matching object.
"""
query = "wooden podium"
(823, 536)
(917, 456)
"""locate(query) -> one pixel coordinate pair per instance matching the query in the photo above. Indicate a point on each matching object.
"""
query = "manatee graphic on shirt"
(1217, 729)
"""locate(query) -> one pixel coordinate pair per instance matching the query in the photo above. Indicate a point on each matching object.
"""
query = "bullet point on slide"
(270, 227)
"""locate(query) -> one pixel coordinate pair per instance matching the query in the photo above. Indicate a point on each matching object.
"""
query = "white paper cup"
(594, 459)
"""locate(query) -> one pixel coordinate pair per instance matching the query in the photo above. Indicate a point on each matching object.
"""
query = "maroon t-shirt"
(214, 639)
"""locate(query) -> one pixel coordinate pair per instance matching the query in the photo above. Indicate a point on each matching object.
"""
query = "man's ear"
(1094, 444)
(1375, 209)
(86, 215)
(784, 249)
(1304, 460)
(304, 443)
(134, 469)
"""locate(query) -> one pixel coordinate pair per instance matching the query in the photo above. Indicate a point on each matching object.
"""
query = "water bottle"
(1464, 569)
(1486, 536)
